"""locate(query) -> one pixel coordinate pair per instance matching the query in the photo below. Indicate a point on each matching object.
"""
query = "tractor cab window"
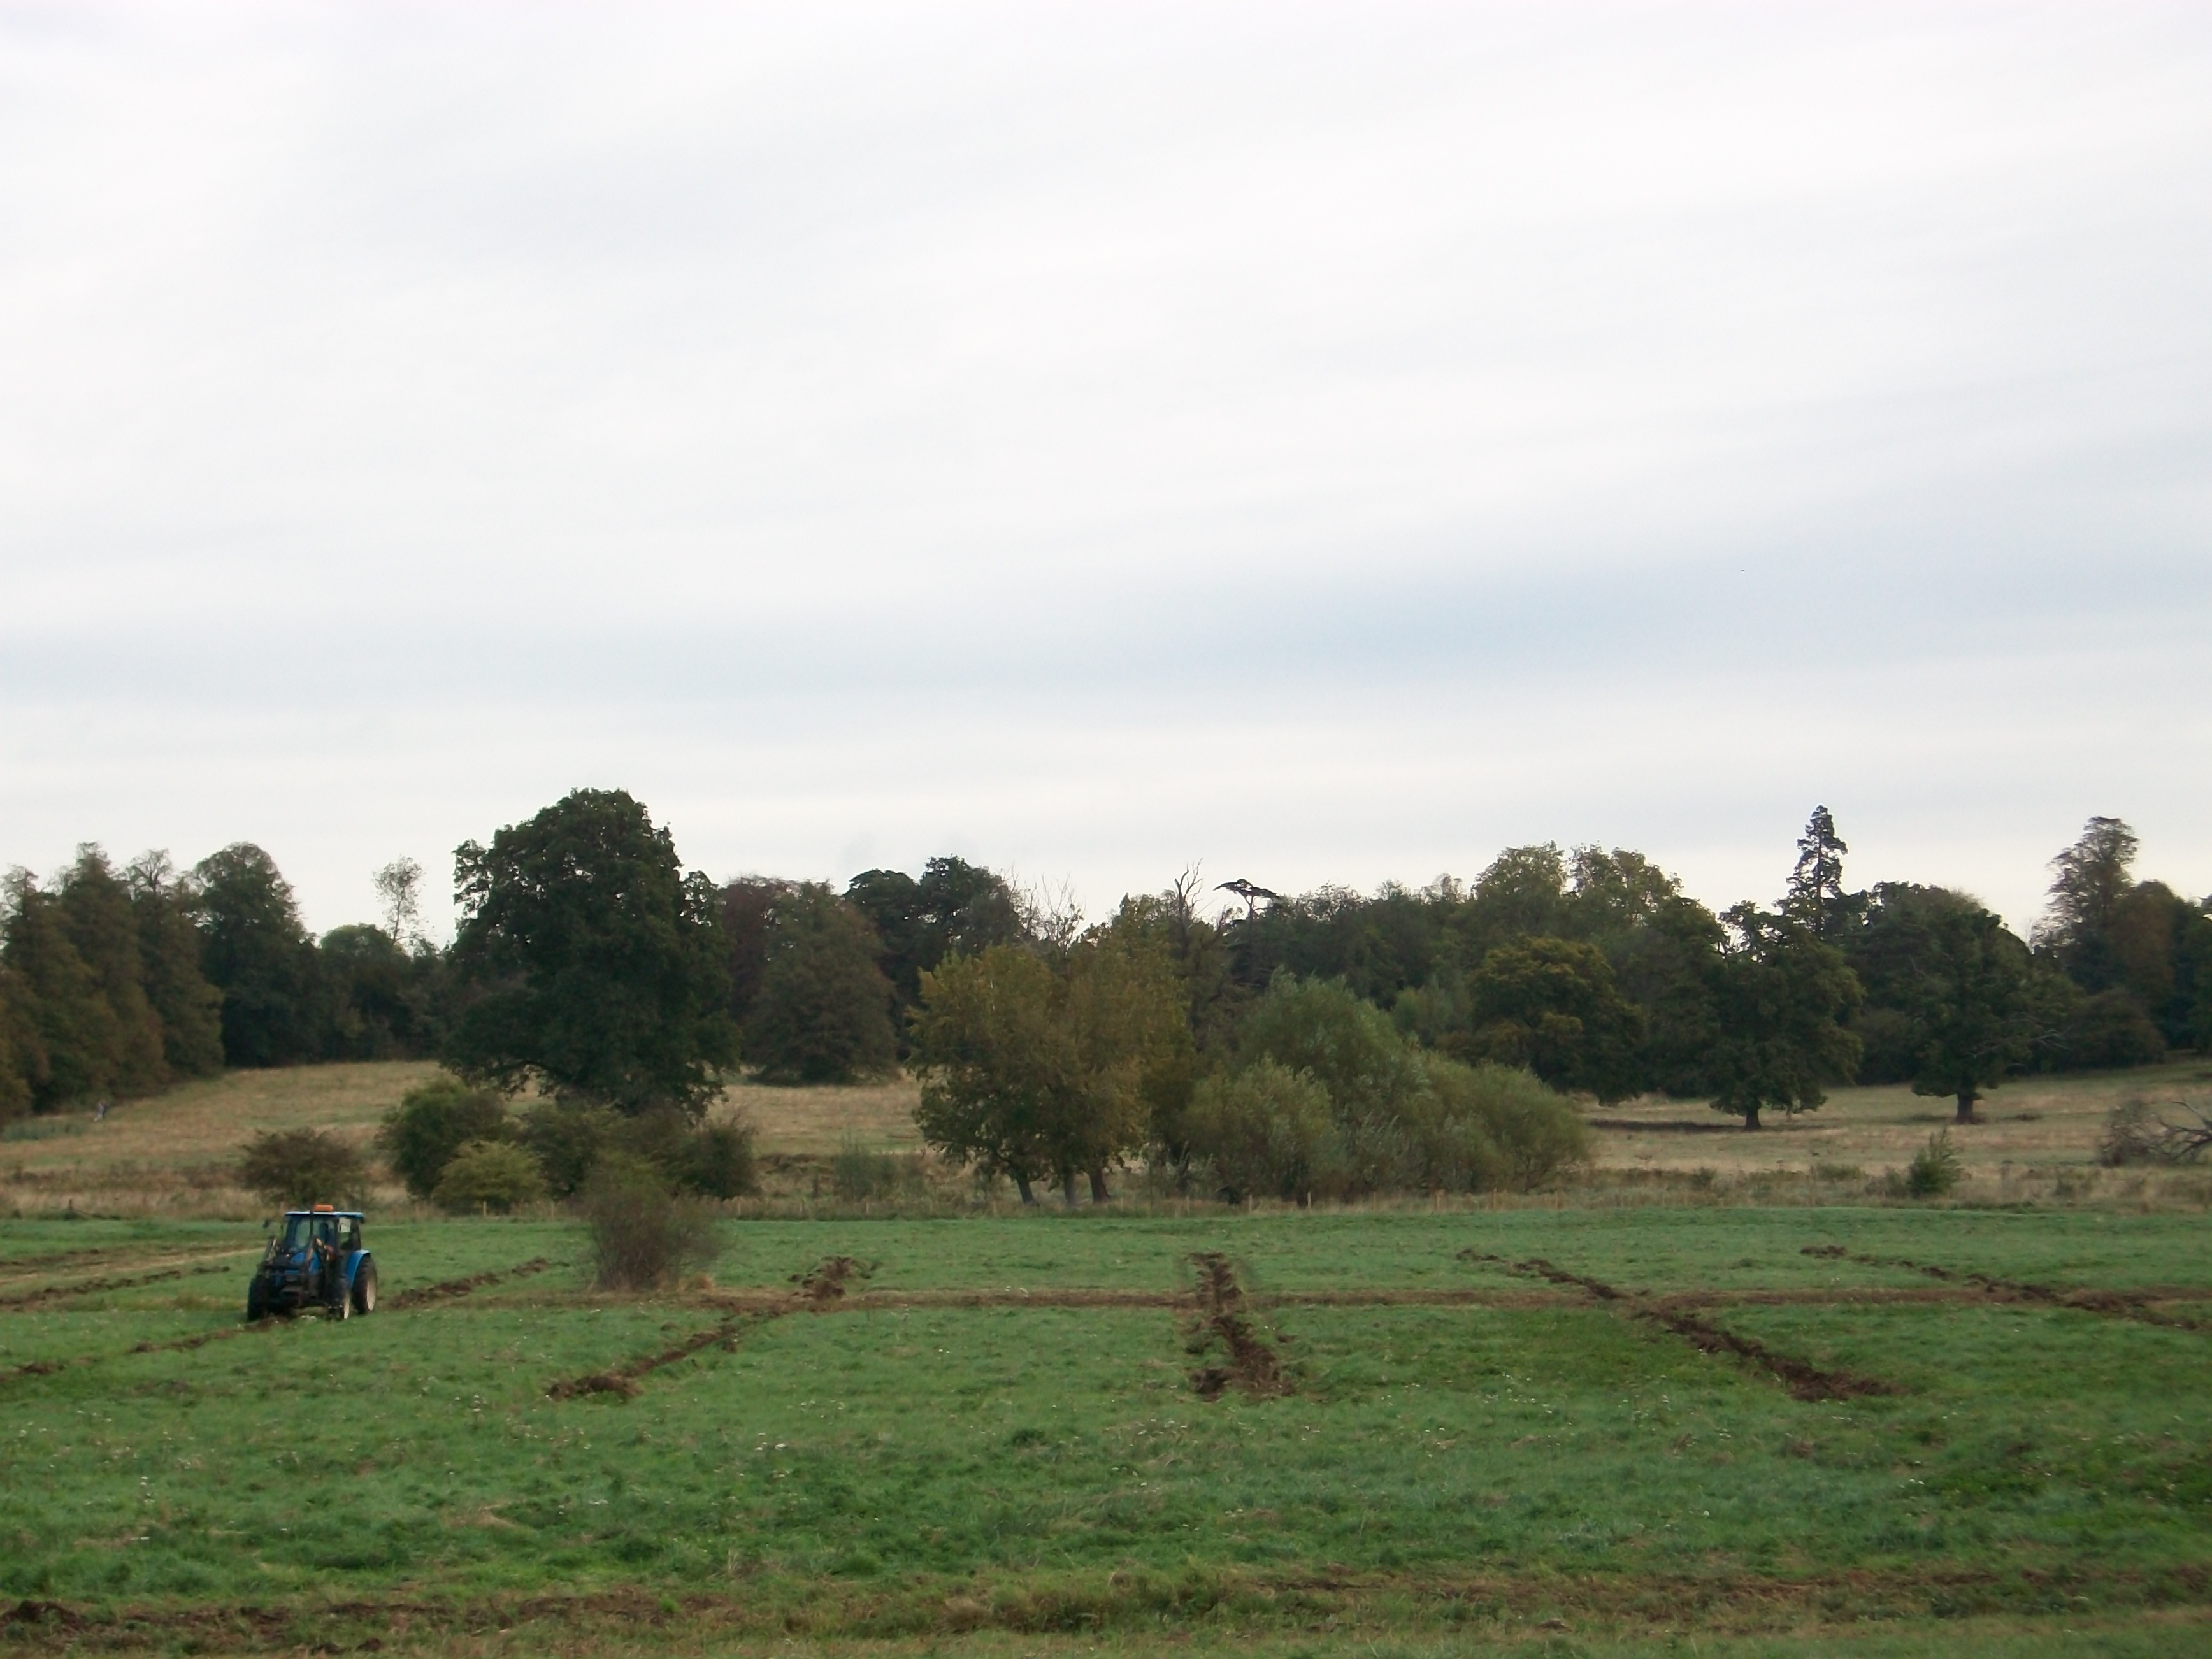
(348, 1236)
(298, 1230)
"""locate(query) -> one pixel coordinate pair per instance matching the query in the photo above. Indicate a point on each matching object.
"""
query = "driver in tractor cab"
(329, 1254)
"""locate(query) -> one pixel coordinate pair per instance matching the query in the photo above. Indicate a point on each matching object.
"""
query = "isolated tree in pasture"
(1958, 980)
(597, 964)
(190, 1009)
(822, 1013)
(254, 951)
(1780, 1000)
(1551, 1005)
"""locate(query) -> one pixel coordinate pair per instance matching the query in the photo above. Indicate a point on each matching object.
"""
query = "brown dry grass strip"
(645, 1617)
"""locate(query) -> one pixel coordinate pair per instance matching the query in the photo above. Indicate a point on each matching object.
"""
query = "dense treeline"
(1589, 969)
(115, 983)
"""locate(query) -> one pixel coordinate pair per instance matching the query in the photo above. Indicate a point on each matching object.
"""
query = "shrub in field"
(489, 1175)
(434, 1121)
(1406, 1120)
(1934, 1171)
(643, 1236)
(1534, 1134)
(713, 1159)
(300, 1166)
(570, 1140)
(568, 1137)
(860, 1172)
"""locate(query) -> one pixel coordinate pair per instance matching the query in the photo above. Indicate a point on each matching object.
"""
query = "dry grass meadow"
(172, 1154)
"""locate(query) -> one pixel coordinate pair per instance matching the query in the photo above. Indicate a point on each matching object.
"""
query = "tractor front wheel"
(364, 1289)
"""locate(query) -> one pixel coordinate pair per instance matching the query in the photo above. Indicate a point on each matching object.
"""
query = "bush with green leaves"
(1401, 1118)
(494, 1175)
(1266, 1132)
(297, 1168)
(1934, 1171)
(644, 1237)
(432, 1122)
(571, 1138)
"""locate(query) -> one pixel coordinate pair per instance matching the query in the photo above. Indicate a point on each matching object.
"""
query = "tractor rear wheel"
(364, 1289)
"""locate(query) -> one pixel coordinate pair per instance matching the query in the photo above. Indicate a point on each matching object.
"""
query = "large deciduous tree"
(189, 1007)
(254, 951)
(597, 962)
(1960, 980)
(823, 1012)
(1780, 997)
(1032, 1070)
(1551, 1005)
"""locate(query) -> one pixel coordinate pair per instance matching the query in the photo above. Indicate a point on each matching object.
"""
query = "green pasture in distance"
(857, 1469)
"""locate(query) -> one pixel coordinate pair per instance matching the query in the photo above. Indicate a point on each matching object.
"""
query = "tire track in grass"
(23, 1300)
(446, 1290)
(1800, 1378)
(2136, 1305)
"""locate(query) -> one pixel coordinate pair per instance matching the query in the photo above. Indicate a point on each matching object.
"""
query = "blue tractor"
(317, 1261)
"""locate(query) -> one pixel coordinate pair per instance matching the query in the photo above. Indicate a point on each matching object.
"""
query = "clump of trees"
(116, 983)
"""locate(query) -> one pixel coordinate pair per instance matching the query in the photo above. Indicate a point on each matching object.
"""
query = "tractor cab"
(316, 1259)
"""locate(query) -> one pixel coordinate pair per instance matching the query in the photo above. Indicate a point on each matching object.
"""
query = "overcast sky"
(1330, 443)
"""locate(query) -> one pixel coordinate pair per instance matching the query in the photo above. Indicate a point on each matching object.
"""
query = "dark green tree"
(1780, 998)
(190, 1009)
(95, 908)
(75, 1028)
(955, 909)
(1551, 1005)
(1816, 900)
(823, 1012)
(1958, 981)
(598, 964)
(23, 1068)
(254, 951)
(432, 1122)
(378, 1004)
(2090, 882)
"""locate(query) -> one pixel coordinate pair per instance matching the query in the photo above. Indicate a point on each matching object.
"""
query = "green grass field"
(994, 1438)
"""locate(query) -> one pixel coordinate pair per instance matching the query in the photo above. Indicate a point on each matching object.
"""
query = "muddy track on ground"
(1803, 1379)
(60, 1261)
(1221, 1315)
(23, 1301)
(1505, 1608)
(2139, 1304)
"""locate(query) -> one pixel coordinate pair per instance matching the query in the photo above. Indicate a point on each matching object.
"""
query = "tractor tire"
(257, 1304)
(364, 1289)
